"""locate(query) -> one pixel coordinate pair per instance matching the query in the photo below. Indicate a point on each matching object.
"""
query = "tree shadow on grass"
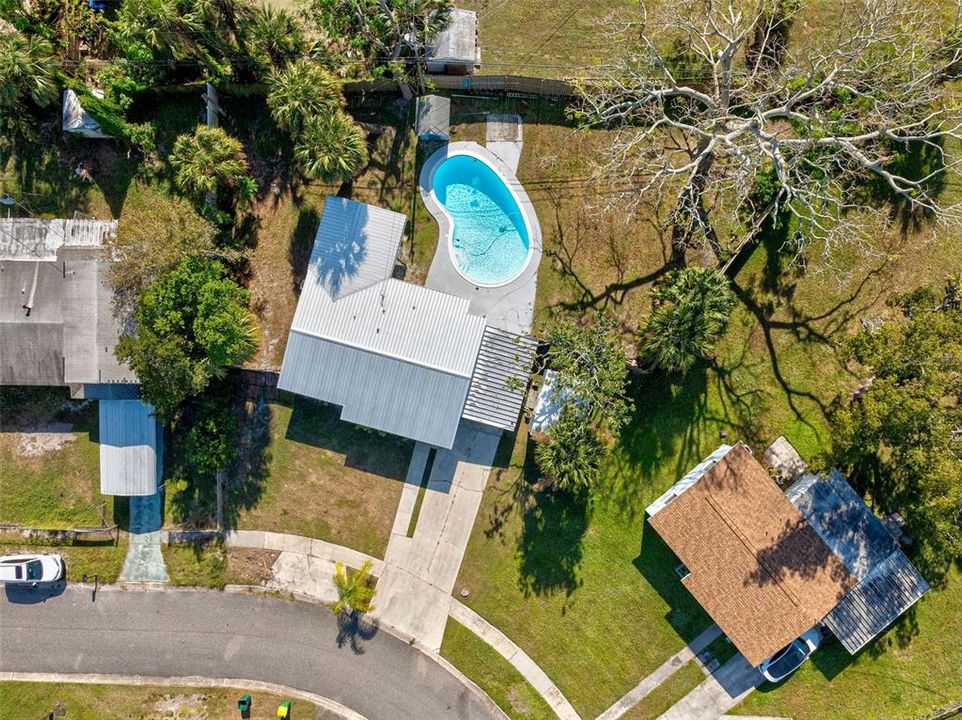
(251, 470)
(656, 562)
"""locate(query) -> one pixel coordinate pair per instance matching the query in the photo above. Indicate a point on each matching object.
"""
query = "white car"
(787, 660)
(31, 569)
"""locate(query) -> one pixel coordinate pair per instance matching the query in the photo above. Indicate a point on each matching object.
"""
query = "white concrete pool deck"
(507, 307)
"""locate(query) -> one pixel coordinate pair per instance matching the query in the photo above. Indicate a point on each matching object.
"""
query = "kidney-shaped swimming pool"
(489, 238)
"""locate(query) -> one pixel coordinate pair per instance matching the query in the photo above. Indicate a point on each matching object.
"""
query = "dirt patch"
(247, 566)
(34, 442)
(181, 705)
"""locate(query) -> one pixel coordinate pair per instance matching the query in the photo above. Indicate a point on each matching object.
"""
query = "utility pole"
(213, 120)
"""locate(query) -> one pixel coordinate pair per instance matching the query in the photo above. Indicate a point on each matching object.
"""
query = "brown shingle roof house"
(757, 567)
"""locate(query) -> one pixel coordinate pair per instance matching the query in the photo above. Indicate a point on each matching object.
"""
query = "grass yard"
(493, 674)
(120, 702)
(668, 693)
(50, 460)
(557, 39)
(892, 679)
(311, 474)
(587, 589)
(212, 565)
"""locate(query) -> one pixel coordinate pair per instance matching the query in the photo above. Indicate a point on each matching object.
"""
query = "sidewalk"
(144, 562)
(414, 592)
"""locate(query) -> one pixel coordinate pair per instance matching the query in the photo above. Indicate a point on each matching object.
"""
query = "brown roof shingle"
(761, 572)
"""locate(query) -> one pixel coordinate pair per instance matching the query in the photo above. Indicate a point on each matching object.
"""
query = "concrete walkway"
(144, 562)
(330, 708)
(665, 671)
(504, 137)
(719, 693)
(414, 592)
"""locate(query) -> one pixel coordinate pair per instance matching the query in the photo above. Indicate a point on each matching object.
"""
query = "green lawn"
(320, 477)
(913, 670)
(50, 460)
(668, 693)
(493, 674)
(121, 702)
(198, 564)
(586, 588)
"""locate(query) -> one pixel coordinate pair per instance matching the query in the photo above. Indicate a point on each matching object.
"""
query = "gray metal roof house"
(454, 50)
(397, 357)
(58, 326)
(888, 583)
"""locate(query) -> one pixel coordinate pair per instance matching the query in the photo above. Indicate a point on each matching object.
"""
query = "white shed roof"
(398, 357)
(458, 42)
(131, 448)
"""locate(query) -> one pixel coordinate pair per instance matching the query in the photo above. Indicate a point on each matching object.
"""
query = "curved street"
(221, 635)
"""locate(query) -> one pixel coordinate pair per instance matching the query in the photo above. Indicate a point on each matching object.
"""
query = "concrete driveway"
(218, 635)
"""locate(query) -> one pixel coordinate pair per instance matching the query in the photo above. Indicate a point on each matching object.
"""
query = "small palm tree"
(355, 592)
(691, 313)
(571, 458)
(300, 91)
(277, 34)
(331, 148)
(27, 71)
(208, 159)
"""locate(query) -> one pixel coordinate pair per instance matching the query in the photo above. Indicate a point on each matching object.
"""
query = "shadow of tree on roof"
(798, 552)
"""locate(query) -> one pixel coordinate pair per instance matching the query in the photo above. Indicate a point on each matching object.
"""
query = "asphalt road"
(221, 635)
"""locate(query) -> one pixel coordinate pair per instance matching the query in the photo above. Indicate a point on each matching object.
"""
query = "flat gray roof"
(131, 448)
(69, 334)
(500, 379)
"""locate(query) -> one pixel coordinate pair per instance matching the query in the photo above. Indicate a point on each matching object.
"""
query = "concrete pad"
(305, 575)
(509, 152)
(413, 606)
(287, 543)
(338, 553)
(662, 673)
(718, 694)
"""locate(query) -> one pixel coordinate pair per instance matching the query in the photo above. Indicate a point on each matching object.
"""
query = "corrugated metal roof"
(500, 379)
(458, 42)
(888, 583)
(890, 589)
(30, 239)
(131, 448)
(425, 341)
(375, 390)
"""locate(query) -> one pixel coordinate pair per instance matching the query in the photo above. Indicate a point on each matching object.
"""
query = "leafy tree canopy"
(209, 160)
(189, 324)
(900, 442)
(355, 591)
(691, 311)
(592, 366)
(571, 458)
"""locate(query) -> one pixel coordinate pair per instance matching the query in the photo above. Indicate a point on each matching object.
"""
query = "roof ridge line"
(753, 550)
(372, 351)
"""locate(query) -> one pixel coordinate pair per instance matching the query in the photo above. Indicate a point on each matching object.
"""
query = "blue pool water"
(490, 240)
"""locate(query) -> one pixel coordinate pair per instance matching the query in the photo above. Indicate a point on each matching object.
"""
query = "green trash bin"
(244, 705)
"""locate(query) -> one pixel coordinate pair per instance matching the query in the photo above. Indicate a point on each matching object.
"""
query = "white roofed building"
(397, 357)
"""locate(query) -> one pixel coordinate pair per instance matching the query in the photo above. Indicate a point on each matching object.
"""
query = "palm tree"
(206, 160)
(27, 71)
(571, 458)
(331, 148)
(691, 313)
(355, 592)
(276, 35)
(300, 91)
